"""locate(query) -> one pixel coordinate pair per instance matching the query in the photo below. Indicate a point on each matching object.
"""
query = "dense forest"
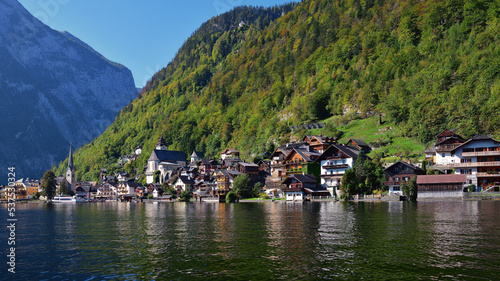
(422, 65)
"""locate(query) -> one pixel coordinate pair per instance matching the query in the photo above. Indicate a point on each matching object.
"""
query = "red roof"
(437, 179)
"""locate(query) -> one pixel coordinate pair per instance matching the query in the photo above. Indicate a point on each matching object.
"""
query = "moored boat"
(67, 199)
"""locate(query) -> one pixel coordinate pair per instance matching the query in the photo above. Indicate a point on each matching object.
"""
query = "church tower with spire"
(70, 172)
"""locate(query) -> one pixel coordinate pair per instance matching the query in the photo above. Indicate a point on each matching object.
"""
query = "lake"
(451, 240)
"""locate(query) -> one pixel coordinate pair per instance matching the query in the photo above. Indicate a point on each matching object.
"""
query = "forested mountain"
(422, 65)
(54, 89)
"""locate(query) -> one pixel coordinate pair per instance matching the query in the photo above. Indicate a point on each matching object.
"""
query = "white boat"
(67, 199)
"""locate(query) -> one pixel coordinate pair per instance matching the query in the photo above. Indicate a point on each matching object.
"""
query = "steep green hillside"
(421, 65)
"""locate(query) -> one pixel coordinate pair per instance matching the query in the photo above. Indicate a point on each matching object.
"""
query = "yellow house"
(20, 189)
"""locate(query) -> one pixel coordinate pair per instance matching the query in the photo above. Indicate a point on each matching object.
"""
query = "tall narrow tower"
(70, 172)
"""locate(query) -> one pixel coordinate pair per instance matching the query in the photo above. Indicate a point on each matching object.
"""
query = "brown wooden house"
(399, 173)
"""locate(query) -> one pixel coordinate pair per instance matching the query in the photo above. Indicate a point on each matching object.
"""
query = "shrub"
(231, 197)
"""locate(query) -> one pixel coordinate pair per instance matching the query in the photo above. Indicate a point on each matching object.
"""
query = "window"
(442, 155)
(406, 178)
(396, 188)
(484, 159)
(396, 179)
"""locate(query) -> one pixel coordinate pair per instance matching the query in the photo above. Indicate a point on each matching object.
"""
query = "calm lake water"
(451, 240)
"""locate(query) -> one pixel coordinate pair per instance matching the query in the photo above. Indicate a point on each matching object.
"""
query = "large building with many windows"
(478, 158)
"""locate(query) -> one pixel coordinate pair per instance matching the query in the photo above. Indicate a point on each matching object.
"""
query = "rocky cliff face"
(53, 89)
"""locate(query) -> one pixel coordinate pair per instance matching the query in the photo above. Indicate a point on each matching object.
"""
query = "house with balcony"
(126, 191)
(333, 164)
(277, 164)
(108, 191)
(446, 142)
(225, 180)
(319, 143)
(303, 161)
(299, 187)
(399, 173)
(479, 160)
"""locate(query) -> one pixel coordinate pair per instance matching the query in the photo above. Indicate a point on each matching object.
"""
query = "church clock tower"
(70, 172)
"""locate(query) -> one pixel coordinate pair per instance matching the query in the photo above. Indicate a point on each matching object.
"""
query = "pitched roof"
(405, 164)
(351, 152)
(134, 184)
(230, 150)
(306, 154)
(437, 179)
(186, 180)
(245, 164)
(196, 154)
(359, 142)
(302, 178)
(167, 155)
(476, 138)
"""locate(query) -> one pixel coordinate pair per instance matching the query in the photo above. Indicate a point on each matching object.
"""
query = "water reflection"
(378, 240)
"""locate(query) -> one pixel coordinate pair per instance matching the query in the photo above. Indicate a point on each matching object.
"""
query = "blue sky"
(142, 35)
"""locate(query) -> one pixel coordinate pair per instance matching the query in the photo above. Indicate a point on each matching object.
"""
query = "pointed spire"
(70, 160)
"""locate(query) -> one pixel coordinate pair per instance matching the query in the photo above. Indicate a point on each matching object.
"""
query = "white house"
(107, 190)
(479, 159)
(334, 162)
(184, 183)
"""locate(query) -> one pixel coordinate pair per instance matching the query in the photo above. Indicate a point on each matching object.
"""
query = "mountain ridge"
(55, 90)
(420, 65)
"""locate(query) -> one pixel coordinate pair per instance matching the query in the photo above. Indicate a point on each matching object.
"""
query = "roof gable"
(474, 139)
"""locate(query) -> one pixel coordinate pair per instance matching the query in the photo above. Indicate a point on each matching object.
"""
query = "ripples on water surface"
(257, 241)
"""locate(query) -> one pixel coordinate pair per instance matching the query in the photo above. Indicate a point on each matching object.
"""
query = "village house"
(225, 180)
(20, 190)
(302, 161)
(478, 159)
(229, 163)
(183, 183)
(278, 169)
(122, 176)
(250, 169)
(138, 150)
(83, 188)
(399, 173)
(229, 153)
(164, 160)
(207, 166)
(26, 188)
(333, 163)
(446, 142)
(361, 145)
(319, 143)
(107, 190)
(299, 187)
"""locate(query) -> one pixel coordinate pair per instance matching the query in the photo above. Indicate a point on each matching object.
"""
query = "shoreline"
(471, 197)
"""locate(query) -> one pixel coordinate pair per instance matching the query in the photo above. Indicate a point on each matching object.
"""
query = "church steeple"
(70, 172)
(70, 160)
